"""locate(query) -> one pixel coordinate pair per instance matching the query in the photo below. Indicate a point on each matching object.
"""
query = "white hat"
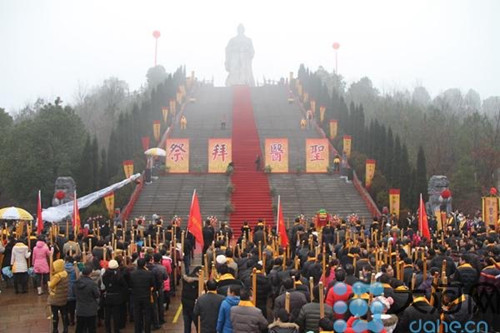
(113, 264)
(221, 259)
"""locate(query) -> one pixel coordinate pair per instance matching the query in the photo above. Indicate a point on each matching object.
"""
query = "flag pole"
(278, 215)
(190, 208)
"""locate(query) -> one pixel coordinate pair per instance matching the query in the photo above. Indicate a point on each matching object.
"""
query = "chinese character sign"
(347, 145)
(219, 154)
(177, 155)
(277, 154)
(490, 211)
(370, 172)
(317, 155)
(394, 199)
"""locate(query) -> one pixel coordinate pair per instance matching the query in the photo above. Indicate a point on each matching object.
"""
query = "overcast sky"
(48, 48)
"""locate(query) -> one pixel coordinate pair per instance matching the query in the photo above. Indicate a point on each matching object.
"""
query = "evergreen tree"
(421, 174)
(103, 170)
(95, 164)
(389, 156)
(404, 169)
(85, 178)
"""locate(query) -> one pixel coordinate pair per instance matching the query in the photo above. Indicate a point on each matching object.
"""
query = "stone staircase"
(171, 194)
(305, 193)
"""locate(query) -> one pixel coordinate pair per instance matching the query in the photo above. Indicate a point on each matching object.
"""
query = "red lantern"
(156, 34)
(60, 195)
(493, 191)
(385, 210)
(336, 46)
(446, 194)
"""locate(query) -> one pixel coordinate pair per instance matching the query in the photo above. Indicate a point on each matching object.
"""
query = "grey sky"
(48, 47)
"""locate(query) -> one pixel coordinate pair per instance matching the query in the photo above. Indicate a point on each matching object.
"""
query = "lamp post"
(336, 47)
(156, 35)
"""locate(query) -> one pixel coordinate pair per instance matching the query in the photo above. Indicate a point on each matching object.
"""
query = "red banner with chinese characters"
(369, 172)
(145, 142)
(490, 211)
(177, 155)
(347, 145)
(128, 168)
(317, 155)
(219, 154)
(394, 201)
(333, 129)
(276, 150)
(156, 129)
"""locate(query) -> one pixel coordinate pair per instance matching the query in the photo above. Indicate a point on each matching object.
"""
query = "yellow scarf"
(421, 299)
(246, 303)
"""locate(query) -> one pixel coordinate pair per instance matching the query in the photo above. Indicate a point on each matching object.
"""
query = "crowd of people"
(343, 276)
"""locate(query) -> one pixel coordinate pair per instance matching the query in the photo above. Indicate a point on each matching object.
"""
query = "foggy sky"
(48, 48)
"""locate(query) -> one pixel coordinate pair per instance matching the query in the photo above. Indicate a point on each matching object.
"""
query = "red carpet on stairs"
(251, 198)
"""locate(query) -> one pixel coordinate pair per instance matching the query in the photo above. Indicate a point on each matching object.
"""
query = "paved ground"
(28, 313)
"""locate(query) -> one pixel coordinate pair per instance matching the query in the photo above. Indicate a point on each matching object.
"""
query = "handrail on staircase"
(372, 207)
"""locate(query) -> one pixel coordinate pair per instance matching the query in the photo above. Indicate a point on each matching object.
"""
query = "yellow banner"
(156, 129)
(347, 145)
(322, 110)
(164, 112)
(490, 211)
(109, 201)
(128, 168)
(306, 97)
(219, 154)
(333, 129)
(394, 201)
(369, 172)
(317, 155)
(172, 106)
(177, 155)
(313, 106)
(276, 150)
(179, 97)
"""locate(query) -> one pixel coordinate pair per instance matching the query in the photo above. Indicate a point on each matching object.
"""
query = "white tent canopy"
(59, 213)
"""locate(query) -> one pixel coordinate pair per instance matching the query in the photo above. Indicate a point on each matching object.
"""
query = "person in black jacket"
(418, 313)
(188, 298)
(142, 282)
(467, 275)
(263, 288)
(115, 296)
(87, 298)
(207, 308)
(208, 236)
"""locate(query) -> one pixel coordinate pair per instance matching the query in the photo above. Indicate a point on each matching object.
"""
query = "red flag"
(281, 228)
(423, 223)
(194, 222)
(76, 215)
(39, 225)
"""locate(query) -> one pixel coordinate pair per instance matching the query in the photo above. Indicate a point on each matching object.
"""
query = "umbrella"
(155, 152)
(15, 213)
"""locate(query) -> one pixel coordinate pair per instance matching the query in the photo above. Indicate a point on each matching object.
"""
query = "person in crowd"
(297, 300)
(41, 257)
(87, 302)
(58, 295)
(189, 296)
(142, 283)
(309, 314)
(116, 289)
(282, 324)
(71, 247)
(207, 308)
(73, 274)
(19, 266)
(245, 317)
(224, 324)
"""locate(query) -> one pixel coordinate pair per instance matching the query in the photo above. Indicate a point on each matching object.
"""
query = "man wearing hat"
(116, 291)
